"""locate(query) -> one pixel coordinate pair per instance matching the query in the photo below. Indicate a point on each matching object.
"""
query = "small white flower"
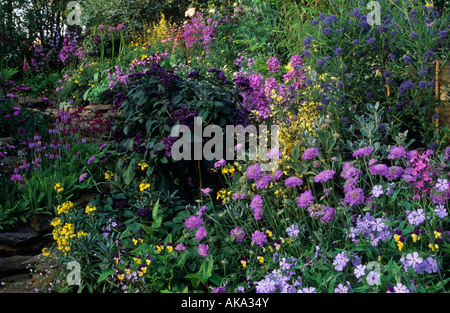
(190, 12)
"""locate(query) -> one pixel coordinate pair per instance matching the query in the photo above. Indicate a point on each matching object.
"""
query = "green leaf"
(155, 210)
(106, 274)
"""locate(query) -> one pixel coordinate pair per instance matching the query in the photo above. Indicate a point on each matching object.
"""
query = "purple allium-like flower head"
(121, 27)
(305, 199)
(101, 27)
(310, 153)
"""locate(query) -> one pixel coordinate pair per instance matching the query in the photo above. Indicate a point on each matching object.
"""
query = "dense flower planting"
(358, 201)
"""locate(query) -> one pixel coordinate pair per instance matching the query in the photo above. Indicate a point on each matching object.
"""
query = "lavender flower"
(373, 278)
(259, 238)
(238, 233)
(324, 176)
(354, 197)
(305, 199)
(200, 233)
(363, 152)
(203, 250)
(256, 205)
(293, 231)
(377, 191)
(254, 172)
(397, 153)
(293, 182)
(340, 261)
(193, 222)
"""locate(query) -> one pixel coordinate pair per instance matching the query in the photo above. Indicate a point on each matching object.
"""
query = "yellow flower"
(415, 237)
(269, 233)
(144, 186)
(81, 234)
(244, 263)
(433, 247)
(400, 245)
(45, 252)
(109, 175)
(58, 188)
(437, 234)
(260, 259)
(143, 166)
(90, 209)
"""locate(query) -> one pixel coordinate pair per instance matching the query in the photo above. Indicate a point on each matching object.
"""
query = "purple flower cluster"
(256, 205)
(419, 264)
(305, 199)
(367, 227)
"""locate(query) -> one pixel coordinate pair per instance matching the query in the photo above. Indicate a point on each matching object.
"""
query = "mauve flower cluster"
(367, 227)
(259, 92)
(194, 31)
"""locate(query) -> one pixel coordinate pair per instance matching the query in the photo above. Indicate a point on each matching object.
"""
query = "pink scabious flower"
(193, 222)
(256, 205)
(203, 250)
(206, 191)
(259, 238)
(200, 233)
(397, 153)
(238, 233)
(91, 159)
(305, 199)
(293, 181)
(82, 177)
(310, 153)
(180, 247)
(324, 176)
(363, 152)
(254, 172)
(220, 163)
(394, 172)
(239, 195)
(263, 182)
(379, 169)
(354, 197)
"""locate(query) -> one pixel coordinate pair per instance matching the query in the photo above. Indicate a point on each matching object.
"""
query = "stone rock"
(13, 264)
(41, 224)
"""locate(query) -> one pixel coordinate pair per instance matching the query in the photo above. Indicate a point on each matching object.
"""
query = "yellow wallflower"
(58, 188)
(90, 209)
(144, 186)
(109, 175)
